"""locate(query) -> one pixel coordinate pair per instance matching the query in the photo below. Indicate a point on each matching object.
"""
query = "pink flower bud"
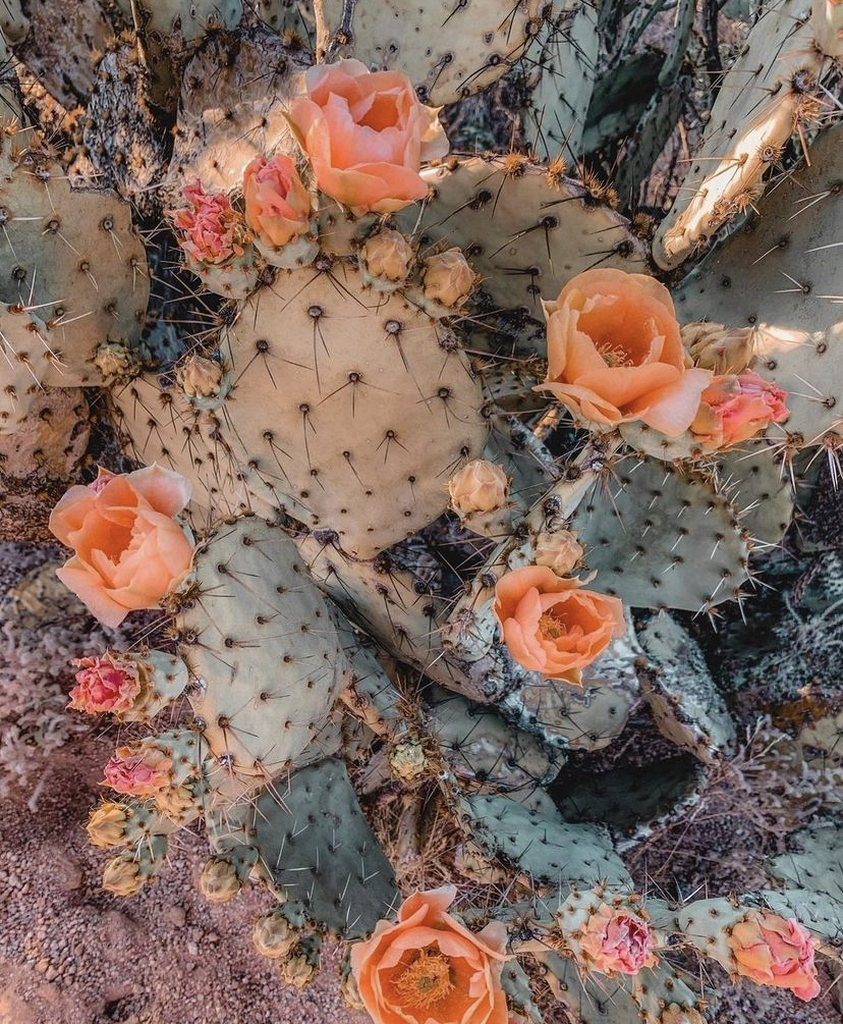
(736, 407)
(558, 551)
(139, 770)
(617, 939)
(448, 279)
(277, 203)
(109, 683)
(773, 951)
(212, 231)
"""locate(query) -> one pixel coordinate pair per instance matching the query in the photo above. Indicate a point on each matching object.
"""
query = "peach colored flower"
(448, 279)
(366, 135)
(138, 770)
(618, 940)
(480, 486)
(773, 951)
(429, 968)
(615, 353)
(736, 407)
(559, 551)
(108, 683)
(277, 203)
(129, 551)
(212, 231)
(551, 625)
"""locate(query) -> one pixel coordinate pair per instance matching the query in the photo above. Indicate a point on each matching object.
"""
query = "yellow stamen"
(550, 627)
(614, 355)
(425, 981)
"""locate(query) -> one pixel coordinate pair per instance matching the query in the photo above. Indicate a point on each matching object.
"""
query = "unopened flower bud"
(276, 932)
(558, 551)
(115, 361)
(408, 760)
(219, 880)
(448, 279)
(199, 377)
(719, 348)
(299, 968)
(107, 825)
(385, 260)
(122, 876)
(480, 486)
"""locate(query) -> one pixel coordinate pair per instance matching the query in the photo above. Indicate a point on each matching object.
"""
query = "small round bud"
(122, 876)
(448, 279)
(558, 551)
(385, 260)
(276, 932)
(116, 362)
(715, 347)
(408, 760)
(199, 377)
(480, 486)
(107, 825)
(219, 880)
(300, 967)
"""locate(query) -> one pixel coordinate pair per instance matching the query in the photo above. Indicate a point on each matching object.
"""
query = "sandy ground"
(71, 953)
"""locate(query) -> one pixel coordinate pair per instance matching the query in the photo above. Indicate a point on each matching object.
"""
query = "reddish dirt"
(72, 954)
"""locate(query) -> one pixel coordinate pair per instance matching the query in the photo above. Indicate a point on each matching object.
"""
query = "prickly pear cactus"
(467, 498)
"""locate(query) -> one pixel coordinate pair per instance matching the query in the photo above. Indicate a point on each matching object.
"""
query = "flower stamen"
(425, 981)
(614, 355)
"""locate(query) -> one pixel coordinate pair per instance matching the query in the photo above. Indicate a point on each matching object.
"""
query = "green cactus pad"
(316, 847)
(375, 413)
(449, 50)
(76, 267)
(527, 230)
(781, 274)
(662, 538)
(687, 706)
(545, 847)
(262, 646)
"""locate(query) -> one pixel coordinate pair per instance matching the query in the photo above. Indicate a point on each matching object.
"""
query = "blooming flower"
(480, 486)
(138, 770)
(129, 551)
(212, 231)
(366, 135)
(615, 353)
(773, 951)
(108, 683)
(736, 407)
(618, 940)
(553, 626)
(277, 203)
(429, 968)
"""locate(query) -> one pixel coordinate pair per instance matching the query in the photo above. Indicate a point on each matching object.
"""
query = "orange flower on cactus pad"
(552, 625)
(129, 550)
(615, 353)
(366, 135)
(428, 968)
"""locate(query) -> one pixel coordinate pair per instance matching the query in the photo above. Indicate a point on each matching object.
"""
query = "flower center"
(425, 981)
(614, 355)
(550, 627)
